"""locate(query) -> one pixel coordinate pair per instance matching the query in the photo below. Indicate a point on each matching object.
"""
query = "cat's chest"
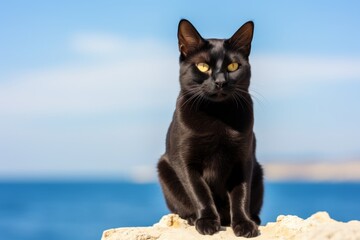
(218, 158)
(218, 144)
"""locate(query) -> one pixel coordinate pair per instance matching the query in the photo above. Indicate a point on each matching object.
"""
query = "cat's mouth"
(218, 96)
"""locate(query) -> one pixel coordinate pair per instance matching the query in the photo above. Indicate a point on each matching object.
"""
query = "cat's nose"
(220, 81)
(219, 84)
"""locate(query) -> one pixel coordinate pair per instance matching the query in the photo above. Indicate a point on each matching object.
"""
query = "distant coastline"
(275, 171)
(313, 171)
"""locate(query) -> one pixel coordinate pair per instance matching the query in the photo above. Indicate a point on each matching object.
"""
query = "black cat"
(209, 173)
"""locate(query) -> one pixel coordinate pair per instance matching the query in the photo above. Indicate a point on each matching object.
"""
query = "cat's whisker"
(253, 93)
(194, 103)
(197, 100)
(200, 100)
(233, 97)
(258, 99)
(193, 99)
(240, 100)
(243, 99)
(187, 101)
(193, 95)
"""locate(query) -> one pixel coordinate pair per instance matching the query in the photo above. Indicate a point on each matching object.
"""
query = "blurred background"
(88, 88)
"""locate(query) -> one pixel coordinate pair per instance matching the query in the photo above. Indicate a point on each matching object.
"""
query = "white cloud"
(280, 75)
(141, 80)
(109, 44)
(149, 78)
(143, 173)
(310, 68)
(97, 43)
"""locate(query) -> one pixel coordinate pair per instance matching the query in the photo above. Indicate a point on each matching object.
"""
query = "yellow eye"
(233, 67)
(203, 67)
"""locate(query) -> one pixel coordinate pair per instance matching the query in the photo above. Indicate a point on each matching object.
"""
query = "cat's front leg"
(208, 220)
(241, 222)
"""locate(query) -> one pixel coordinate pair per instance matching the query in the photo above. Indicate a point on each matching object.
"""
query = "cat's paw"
(191, 220)
(246, 229)
(207, 226)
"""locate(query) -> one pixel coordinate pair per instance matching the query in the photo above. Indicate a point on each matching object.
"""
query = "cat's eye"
(233, 67)
(203, 67)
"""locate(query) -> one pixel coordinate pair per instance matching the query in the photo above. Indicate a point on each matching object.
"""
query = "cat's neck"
(238, 115)
(201, 104)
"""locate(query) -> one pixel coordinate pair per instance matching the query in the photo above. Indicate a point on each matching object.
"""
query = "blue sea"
(83, 210)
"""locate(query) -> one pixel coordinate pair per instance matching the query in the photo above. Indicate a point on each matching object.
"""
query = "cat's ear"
(241, 40)
(189, 38)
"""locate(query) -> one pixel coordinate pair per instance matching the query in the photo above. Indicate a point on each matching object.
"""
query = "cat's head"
(214, 69)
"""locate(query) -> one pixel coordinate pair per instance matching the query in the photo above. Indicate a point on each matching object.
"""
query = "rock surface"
(171, 227)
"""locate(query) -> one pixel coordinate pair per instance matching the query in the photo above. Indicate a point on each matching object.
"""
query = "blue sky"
(87, 88)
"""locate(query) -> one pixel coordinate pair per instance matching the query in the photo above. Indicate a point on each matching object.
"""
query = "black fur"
(209, 173)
